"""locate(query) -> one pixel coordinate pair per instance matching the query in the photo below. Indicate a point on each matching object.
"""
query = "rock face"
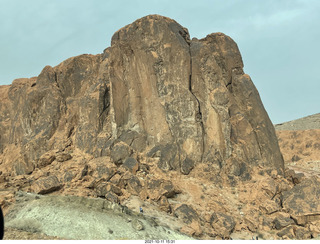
(154, 88)
(159, 118)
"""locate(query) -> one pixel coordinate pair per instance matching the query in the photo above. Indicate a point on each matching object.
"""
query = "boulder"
(302, 233)
(134, 185)
(186, 213)
(222, 224)
(282, 220)
(103, 188)
(119, 152)
(303, 201)
(46, 185)
(186, 166)
(131, 164)
(61, 157)
(110, 196)
(46, 159)
(164, 204)
(137, 225)
(220, 114)
(294, 177)
(101, 168)
(287, 233)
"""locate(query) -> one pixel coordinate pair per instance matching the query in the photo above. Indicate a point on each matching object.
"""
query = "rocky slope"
(160, 121)
(300, 145)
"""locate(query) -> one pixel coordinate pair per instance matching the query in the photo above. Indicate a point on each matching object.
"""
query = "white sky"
(278, 39)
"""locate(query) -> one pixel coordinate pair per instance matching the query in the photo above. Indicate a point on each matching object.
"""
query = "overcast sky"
(278, 39)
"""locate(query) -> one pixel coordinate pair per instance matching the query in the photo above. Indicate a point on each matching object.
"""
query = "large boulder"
(303, 201)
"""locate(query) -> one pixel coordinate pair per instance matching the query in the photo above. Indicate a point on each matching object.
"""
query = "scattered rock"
(301, 233)
(294, 177)
(137, 225)
(103, 189)
(110, 196)
(287, 233)
(119, 152)
(62, 157)
(46, 159)
(84, 171)
(222, 224)
(168, 189)
(131, 164)
(134, 185)
(269, 206)
(68, 176)
(186, 213)
(164, 204)
(282, 220)
(186, 166)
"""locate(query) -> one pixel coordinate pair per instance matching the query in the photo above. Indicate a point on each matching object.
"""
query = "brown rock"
(102, 168)
(103, 189)
(164, 204)
(186, 166)
(303, 201)
(46, 159)
(46, 185)
(269, 206)
(61, 157)
(192, 229)
(119, 152)
(287, 233)
(186, 213)
(110, 196)
(134, 185)
(282, 220)
(197, 106)
(222, 224)
(212, 105)
(131, 164)
(302, 233)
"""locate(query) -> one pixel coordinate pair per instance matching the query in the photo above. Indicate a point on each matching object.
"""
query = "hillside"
(159, 121)
(300, 145)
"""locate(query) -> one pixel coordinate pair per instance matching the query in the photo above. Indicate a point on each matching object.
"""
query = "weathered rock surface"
(303, 201)
(154, 87)
(173, 122)
(46, 185)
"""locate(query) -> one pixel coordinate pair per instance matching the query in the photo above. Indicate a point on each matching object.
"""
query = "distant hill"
(305, 123)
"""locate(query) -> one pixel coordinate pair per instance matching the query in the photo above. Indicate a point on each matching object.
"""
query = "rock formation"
(157, 120)
(154, 90)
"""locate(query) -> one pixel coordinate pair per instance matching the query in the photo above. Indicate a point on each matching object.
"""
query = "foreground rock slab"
(72, 217)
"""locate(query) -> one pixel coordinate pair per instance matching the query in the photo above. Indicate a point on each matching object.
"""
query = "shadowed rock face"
(186, 101)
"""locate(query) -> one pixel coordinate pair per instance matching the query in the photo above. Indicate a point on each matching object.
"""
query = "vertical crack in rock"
(199, 114)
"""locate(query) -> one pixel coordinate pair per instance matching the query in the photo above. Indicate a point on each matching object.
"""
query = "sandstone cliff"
(157, 120)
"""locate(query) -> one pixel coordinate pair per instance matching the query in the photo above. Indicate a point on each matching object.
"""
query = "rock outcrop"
(153, 89)
(171, 121)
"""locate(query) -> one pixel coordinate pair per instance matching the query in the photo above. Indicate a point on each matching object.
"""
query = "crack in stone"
(199, 113)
